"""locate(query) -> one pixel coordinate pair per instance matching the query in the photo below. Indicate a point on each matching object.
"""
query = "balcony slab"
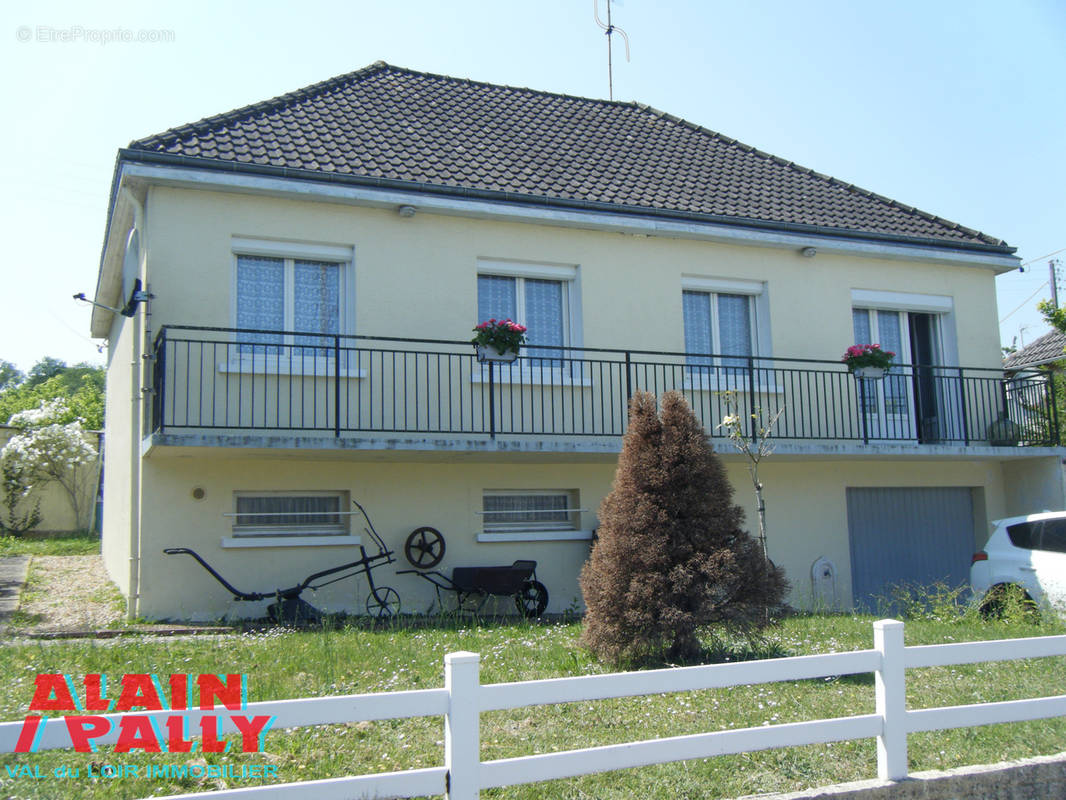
(483, 448)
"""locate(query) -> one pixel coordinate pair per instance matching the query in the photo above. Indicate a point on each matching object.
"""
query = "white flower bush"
(45, 450)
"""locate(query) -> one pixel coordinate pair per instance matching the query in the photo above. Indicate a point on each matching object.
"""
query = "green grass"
(286, 664)
(67, 544)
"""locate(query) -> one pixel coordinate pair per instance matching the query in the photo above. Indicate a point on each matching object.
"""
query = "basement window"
(513, 515)
(290, 514)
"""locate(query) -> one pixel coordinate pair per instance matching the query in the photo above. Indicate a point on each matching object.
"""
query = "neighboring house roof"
(399, 127)
(1048, 348)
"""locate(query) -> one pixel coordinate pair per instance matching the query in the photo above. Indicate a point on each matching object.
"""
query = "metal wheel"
(531, 599)
(424, 548)
(383, 602)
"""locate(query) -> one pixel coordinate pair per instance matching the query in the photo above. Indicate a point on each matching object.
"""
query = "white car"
(1028, 552)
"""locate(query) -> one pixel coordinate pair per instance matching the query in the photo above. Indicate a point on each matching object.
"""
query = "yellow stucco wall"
(123, 437)
(417, 277)
(1039, 483)
(806, 519)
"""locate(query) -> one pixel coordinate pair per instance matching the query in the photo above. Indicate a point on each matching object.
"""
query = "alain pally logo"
(161, 726)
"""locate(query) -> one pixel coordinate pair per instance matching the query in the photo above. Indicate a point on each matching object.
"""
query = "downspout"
(137, 411)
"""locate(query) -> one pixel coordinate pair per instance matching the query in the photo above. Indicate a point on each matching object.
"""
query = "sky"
(957, 108)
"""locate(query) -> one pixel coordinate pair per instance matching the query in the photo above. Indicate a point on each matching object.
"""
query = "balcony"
(229, 381)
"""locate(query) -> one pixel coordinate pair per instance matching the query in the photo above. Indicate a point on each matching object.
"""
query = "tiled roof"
(1049, 347)
(392, 124)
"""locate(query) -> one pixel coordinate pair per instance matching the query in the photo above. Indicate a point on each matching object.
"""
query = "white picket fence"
(463, 698)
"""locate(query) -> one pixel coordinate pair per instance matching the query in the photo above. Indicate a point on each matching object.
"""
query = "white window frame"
(943, 306)
(877, 301)
(521, 372)
(759, 315)
(290, 252)
(294, 535)
(531, 531)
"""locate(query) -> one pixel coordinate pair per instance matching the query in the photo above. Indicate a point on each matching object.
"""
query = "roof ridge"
(529, 89)
(701, 129)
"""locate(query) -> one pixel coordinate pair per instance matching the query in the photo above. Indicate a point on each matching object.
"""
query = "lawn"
(67, 544)
(285, 664)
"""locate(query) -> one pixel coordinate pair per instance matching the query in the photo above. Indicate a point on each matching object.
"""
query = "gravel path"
(69, 593)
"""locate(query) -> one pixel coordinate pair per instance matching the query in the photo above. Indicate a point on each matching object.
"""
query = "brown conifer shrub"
(672, 556)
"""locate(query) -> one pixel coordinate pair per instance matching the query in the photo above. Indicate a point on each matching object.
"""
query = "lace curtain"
(734, 328)
(497, 298)
(316, 300)
(260, 301)
(526, 510)
(290, 511)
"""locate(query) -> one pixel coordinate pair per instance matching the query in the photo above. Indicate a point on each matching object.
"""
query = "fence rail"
(241, 380)
(463, 699)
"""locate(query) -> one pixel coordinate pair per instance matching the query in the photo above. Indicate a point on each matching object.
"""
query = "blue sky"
(958, 108)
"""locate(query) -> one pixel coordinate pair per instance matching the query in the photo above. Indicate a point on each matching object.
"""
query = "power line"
(1026, 300)
(1041, 258)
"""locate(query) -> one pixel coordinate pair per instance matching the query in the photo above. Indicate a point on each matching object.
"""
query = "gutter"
(136, 401)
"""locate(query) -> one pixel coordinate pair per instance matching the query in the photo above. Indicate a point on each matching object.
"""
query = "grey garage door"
(908, 535)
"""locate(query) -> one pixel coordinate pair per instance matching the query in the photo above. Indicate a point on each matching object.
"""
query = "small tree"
(46, 450)
(672, 556)
(15, 487)
(756, 447)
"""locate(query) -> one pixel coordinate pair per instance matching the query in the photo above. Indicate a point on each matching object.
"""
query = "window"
(277, 294)
(537, 296)
(282, 286)
(1045, 534)
(726, 322)
(886, 329)
(290, 514)
(505, 511)
(718, 323)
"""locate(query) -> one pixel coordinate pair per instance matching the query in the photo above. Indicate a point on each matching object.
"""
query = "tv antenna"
(608, 30)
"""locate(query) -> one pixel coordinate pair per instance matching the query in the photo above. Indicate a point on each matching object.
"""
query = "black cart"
(477, 584)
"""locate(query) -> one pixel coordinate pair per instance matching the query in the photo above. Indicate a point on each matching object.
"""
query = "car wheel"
(1007, 600)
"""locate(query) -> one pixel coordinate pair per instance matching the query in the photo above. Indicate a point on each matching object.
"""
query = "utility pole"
(1053, 266)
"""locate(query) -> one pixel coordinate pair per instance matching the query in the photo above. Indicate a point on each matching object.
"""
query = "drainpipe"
(137, 371)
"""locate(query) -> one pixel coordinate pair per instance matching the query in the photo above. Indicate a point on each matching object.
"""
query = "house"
(1039, 362)
(1047, 349)
(314, 265)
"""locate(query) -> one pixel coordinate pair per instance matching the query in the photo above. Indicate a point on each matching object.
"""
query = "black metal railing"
(255, 380)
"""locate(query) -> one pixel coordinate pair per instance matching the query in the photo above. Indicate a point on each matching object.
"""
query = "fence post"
(336, 386)
(492, 400)
(462, 732)
(160, 382)
(891, 690)
(1054, 410)
(629, 380)
(752, 400)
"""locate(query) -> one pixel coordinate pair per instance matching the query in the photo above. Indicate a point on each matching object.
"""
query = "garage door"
(905, 535)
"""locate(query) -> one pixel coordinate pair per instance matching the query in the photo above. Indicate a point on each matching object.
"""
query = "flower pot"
(1004, 433)
(486, 352)
(870, 373)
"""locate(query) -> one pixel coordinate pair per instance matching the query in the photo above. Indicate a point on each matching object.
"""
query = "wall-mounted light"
(809, 252)
(406, 211)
